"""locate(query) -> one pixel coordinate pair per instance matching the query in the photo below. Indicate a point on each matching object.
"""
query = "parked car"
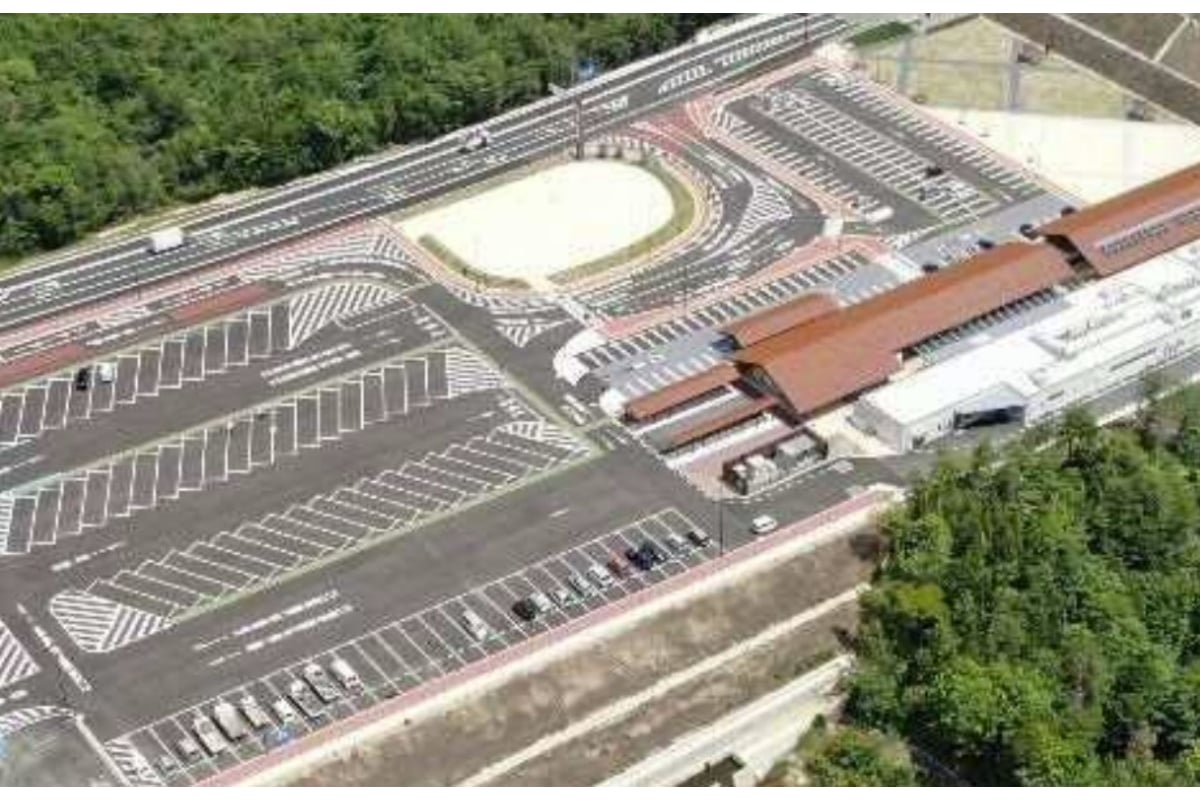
(321, 683)
(699, 537)
(83, 379)
(208, 735)
(617, 567)
(253, 712)
(525, 610)
(188, 750)
(474, 625)
(229, 721)
(346, 674)
(562, 597)
(579, 584)
(303, 697)
(285, 710)
(763, 523)
(676, 542)
(599, 576)
(541, 602)
(646, 555)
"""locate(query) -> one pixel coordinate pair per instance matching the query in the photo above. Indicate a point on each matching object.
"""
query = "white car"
(285, 711)
(474, 625)
(763, 523)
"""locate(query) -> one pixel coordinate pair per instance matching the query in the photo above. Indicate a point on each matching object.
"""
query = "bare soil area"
(452, 746)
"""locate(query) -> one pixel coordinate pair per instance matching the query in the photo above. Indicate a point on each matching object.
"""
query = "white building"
(1108, 334)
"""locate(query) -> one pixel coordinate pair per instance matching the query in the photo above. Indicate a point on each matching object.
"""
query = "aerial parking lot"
(325, 472)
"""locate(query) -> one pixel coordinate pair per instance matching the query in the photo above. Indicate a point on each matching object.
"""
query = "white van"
(346, 674)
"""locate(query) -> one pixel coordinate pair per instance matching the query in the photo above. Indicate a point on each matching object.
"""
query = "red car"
(617, 566)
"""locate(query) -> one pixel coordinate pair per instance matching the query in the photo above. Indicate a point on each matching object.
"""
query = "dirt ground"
(451, 747)
(589, 760)
(1148, 80)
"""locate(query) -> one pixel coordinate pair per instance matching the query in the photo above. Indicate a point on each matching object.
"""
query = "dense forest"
(106, 116)
(1036, 619)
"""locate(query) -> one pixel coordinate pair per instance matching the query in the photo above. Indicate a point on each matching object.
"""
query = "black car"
(934, 171)
(646, 556)
(525, 609)
(634, 554)
(654, 552)
(83, 379)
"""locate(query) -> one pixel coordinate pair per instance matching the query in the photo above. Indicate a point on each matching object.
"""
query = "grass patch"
(880, 34)
(452, 260)
(683, 211)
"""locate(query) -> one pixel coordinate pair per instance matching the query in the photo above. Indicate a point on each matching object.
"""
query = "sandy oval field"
(550, 221)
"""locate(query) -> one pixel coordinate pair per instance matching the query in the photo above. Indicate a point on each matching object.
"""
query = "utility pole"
(577, 77)
(578, 127)
(720, 527)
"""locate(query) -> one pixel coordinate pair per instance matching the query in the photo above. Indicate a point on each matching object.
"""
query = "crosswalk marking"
(13, 722)
(133, 765)
(98, 624)
(312, 310)
(15, 662)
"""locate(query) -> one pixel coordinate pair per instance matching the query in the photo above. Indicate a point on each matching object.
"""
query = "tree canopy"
(1036, 619)
(106, 116)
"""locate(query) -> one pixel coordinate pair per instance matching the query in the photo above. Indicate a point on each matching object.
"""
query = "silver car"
(579, 585)
(601, 577)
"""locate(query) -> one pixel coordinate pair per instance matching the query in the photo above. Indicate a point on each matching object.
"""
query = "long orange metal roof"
(1135, 226)
(755, 328)
(835, 355)
(734, 416)
(678, 393)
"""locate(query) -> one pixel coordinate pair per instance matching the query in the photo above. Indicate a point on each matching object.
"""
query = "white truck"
(167, 239)
(475, 139)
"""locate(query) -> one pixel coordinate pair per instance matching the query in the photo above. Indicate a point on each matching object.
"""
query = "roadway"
(413, 176)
